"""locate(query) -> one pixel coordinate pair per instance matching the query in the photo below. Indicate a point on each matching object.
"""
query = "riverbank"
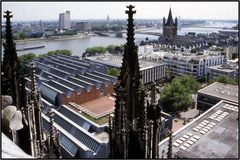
(57, 38)
(204, 24)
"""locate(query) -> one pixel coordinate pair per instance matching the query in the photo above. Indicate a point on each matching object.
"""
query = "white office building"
(64, 21)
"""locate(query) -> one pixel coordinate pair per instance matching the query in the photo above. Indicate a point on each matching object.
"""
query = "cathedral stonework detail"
(134, 129)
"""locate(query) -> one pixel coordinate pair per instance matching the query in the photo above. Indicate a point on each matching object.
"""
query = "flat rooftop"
(222, 91)
(223, 69)
(97, 108)
(116, 61)
(214, 134)
(188, 56)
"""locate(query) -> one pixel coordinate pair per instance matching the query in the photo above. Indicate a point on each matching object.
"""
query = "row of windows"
(207, 99)
(152, 74)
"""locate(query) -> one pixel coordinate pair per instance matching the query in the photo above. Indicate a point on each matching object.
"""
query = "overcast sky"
(116, 10)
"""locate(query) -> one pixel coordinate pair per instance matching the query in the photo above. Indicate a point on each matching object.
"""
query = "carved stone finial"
(7, 14)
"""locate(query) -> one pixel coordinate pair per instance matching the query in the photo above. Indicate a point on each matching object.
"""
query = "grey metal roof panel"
(49, 93)
(91, 80)
(104, 80)
(63, 81)
(87, 85)
(73, 61)
(73, 85)
(79, 119)
(51, 69)
(61, 66)
(47, 75)
(88, 141)
(67, 135)
(68, 145)
(47, 105)
(104, 75)
(79, 133)
(68, 63)
(67, 90)
(59, 73)
(42, 66)
(55, 69)
(50, 87)
(74, 117)
(97, 76)
(68, 69)
(74, 58)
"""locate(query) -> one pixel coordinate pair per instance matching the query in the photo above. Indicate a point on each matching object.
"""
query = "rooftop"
(97, 108)
(227, 68)
(222, 91)
(213, 134)
(116, 61)
(189, 56)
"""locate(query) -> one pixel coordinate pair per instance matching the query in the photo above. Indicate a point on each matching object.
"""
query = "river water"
(78, 46)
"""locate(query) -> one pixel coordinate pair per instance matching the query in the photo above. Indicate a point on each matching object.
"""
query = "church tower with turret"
(170, 27)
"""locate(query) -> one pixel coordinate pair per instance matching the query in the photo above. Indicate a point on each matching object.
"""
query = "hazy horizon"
(49, 11)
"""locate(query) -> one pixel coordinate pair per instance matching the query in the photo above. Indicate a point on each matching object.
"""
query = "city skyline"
(32, 11)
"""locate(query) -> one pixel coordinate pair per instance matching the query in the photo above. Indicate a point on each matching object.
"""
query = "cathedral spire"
(130, 57)
(133, 132)
(170, 19)
(10, 78)
(130, 72)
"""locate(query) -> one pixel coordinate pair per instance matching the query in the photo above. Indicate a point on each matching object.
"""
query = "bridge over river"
(137, 31)
(147, 31)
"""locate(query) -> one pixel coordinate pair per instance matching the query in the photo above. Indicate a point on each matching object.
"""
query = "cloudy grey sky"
(100, 10)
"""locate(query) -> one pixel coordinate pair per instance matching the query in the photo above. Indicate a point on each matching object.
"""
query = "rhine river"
(78, 46)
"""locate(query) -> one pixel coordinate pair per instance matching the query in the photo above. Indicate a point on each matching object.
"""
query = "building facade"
(170, 27)
(83, 26)
(145, 50)
(190, 64)
(213, 93)
(228, 70)
(64, 21)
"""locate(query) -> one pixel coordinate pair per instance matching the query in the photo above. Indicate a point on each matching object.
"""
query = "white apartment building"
(64, 20)
(144, 50)
(179, 64)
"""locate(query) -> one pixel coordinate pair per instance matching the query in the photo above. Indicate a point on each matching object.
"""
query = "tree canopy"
(224, 79)
(176, 96)
(190, 83)
(113, 71)
(99, 50)
(95, 50)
